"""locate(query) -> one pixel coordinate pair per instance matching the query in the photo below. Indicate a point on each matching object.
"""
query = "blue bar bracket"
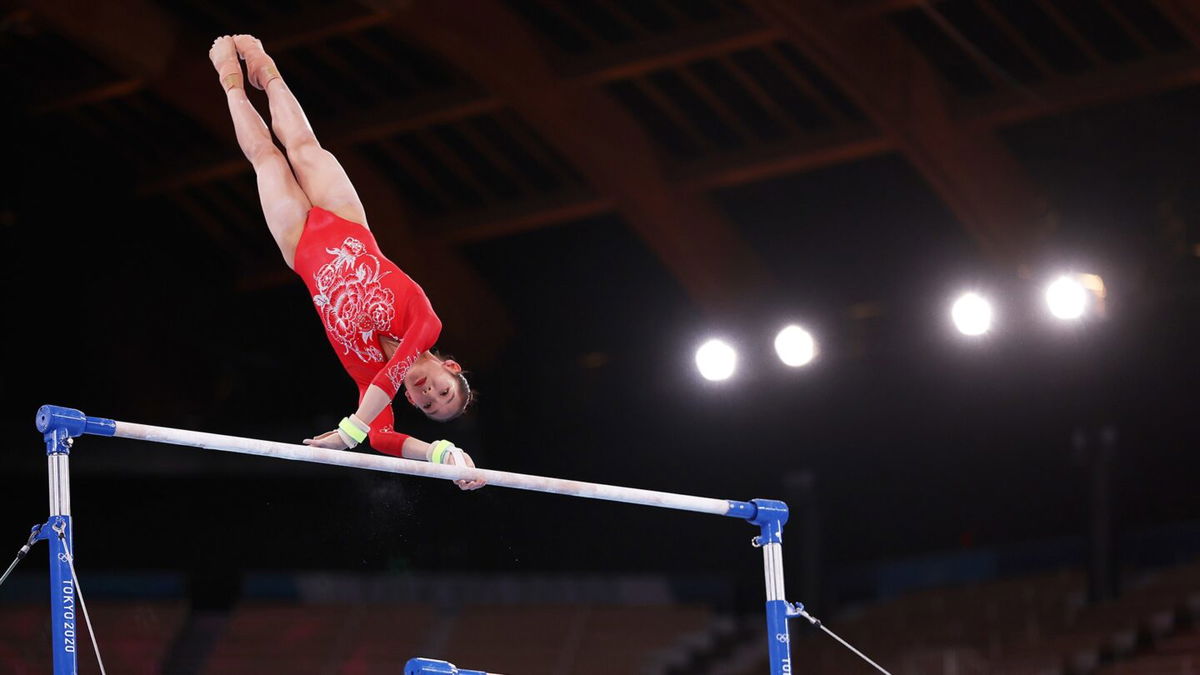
(770, 515)
(59, 425)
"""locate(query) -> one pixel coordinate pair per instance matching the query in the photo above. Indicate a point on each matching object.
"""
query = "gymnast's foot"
(259, 67)
(224, 59)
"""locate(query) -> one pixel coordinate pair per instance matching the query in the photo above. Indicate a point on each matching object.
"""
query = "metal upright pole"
(770, 517)
(59, 427)
(57, 533)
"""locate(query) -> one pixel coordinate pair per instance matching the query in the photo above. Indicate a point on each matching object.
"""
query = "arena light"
(1066, 297)
(716, 360)
(972, 314)
(795, 346)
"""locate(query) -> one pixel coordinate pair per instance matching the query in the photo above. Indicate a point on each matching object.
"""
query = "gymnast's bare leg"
(317, 170)
(285, 205)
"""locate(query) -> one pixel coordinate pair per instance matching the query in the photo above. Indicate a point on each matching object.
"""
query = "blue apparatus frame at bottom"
(435, 667)
(60, 426)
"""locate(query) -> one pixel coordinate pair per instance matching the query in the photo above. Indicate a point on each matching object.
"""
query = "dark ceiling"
(587, 187)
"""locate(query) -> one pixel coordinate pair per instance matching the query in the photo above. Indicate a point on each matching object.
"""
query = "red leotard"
(361, 296)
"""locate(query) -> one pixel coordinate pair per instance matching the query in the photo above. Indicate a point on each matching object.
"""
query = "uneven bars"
(50, 416)
(60, 426)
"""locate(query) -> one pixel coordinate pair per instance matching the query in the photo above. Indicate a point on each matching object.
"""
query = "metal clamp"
(795, 609)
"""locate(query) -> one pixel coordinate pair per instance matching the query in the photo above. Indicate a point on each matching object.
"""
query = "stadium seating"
(134, 637)
(1035, 625)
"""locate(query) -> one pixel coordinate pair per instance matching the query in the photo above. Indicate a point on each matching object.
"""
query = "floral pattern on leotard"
(351, 300)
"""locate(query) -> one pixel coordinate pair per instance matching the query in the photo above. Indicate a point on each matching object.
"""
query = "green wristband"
(438, 453)
(352, 430)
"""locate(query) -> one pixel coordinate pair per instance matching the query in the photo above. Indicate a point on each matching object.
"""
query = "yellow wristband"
(438, 452)
(351, 429)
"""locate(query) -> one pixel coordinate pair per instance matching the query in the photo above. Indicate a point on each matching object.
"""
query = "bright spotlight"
(716, 360)
(972, 314)
(1066, 297)
(795, 346)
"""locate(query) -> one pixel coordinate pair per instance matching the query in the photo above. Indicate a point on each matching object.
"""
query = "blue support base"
(435, 667)
(779, 652)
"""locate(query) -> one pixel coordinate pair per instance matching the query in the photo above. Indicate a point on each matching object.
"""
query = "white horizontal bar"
(387, 463)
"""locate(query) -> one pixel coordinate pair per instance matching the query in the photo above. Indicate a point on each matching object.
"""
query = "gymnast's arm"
(421, 335)
(373, 403)
(418, 336)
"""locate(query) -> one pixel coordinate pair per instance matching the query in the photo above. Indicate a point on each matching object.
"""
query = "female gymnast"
(378, 319)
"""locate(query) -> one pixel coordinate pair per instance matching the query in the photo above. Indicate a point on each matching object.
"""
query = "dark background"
(118, 304)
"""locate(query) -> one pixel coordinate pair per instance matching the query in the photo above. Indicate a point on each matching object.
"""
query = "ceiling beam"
(618, 63)
(726, 170)
(1064, 94)
(734, 168)
(671, 51)
(318, 24)
(859, 10)
(1158, 73)
(91, 95)
(177, 74)
(888, 79)
(295, 30)
(371, 124)
(493, 46)
(1184, 15)
(156, 58)
(1055, 97)
(527, 215)
(446, 107)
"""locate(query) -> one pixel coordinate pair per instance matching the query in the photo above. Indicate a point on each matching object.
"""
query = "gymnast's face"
(432, 386)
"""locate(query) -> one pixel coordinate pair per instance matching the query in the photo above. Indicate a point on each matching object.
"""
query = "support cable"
(817, 622)
(33, 537)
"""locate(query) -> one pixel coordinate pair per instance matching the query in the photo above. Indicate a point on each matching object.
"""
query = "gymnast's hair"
(464, 389)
